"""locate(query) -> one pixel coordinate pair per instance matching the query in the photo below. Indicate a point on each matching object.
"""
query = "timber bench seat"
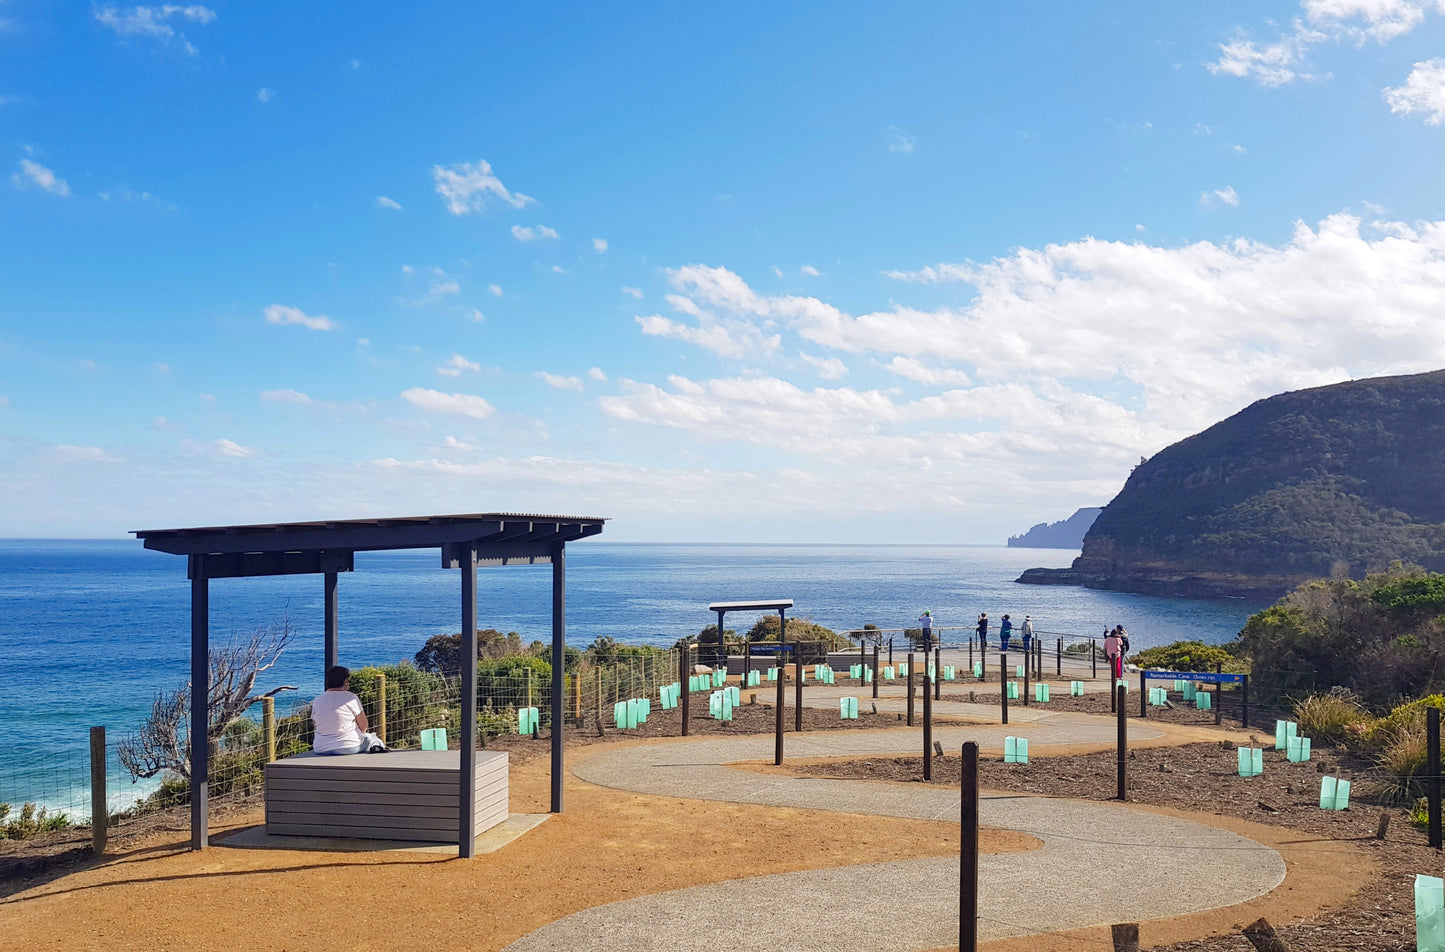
(398, 795)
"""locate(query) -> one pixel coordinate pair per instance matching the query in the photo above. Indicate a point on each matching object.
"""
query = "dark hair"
(336, 676)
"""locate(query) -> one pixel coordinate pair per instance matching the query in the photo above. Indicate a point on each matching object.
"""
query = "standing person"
(1028, 631)
(1005, 631)
(1114, 651)
(983, 631)
(341, 725)
(926, 620)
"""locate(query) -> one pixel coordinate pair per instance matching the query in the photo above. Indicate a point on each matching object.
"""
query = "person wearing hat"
(1028, 632)
(1005, 631)
(926, 620)
(982, 631)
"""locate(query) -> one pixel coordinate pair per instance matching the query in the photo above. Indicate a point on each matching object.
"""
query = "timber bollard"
(927, 719)
(268, 727)
(1218, 698)
(910, 688)
(968, 851)
(1126, 936)
(1262, 936)
(1120, 693)
(1059, 658)
(684, 672)
(797, 688)
(1432, 769)
(778, 714)
(99, 810)
(875, 670)
(1003, 683)
(1143, 695)
(380, 707)
(1093, 660)
(938, 674)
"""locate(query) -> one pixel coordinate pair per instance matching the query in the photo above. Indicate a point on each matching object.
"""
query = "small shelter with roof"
(328, 549)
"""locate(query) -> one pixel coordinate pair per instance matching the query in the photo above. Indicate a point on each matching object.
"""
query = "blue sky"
(830, 272)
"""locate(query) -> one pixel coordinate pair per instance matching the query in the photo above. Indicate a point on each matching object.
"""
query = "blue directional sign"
(1199, 677)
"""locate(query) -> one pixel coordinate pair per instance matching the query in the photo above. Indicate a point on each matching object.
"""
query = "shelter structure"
(780, 606)
(328, 549)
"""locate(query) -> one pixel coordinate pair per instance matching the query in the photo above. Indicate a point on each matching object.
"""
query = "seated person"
(341, 726)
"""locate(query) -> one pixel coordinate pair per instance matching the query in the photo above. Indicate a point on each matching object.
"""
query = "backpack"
(1123, 644)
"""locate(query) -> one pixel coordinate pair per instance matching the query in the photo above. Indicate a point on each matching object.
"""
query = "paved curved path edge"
(1099, 863)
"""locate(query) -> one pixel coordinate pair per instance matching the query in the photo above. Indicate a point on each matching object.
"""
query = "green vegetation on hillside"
(1334, 481)
(1379, 638)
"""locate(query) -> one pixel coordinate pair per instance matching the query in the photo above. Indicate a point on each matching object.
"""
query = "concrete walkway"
(1100, 863)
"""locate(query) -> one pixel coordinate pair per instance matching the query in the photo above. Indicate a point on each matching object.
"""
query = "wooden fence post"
(380, 707)
(1125, 934)
(1003, 683)
(875, 671)
(268, 726)
(1120, 693)
(1432, 768)
(99, 810)
(968, 851)
(910, 688)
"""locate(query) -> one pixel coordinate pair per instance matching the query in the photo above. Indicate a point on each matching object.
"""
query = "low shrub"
(1403, 764)
(1328, 718)
(32, 821)
(1187, 656)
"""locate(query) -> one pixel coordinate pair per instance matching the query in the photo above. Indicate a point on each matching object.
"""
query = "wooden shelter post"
(333, 644)
(466, 802)
(200, 695)
(559, 663)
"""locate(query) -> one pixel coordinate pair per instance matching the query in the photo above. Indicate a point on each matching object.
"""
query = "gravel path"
(1100, 862)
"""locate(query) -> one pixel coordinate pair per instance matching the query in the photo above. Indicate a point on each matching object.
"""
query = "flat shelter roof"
(751, 606)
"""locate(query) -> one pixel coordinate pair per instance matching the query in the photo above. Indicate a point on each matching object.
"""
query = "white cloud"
(460, 404)
(1139, 345)
(1226, 195)
(231, 448)
(495, 290)
(265, 95)
(1422, 92)
(1322, 21)
(383, 202)
(355, 63)
(456, 365)
(1270, 64)
(281, 314)
(596, 374)
(478, 316)
(37, 175)
(70, 453)
(528, 233)
(153, 21)
(1236, 148)
(829, 368)
(898, 142)
(599, 245)
(558, 269)
(634, 292)
(777, 271)
(124, 194)
(917, 370)
(469, 187)
(810, 271)
(286, 396)
(560, 382)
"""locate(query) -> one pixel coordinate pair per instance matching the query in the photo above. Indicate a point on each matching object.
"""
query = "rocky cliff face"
(1337, 480)
(1064, 534)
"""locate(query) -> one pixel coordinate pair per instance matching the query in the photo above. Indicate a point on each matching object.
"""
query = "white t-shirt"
(334, 713)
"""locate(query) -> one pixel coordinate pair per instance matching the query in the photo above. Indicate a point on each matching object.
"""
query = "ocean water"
(91, 631)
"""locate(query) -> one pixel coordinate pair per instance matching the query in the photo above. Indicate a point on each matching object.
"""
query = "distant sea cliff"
(1064, 534)
(1332, 481)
